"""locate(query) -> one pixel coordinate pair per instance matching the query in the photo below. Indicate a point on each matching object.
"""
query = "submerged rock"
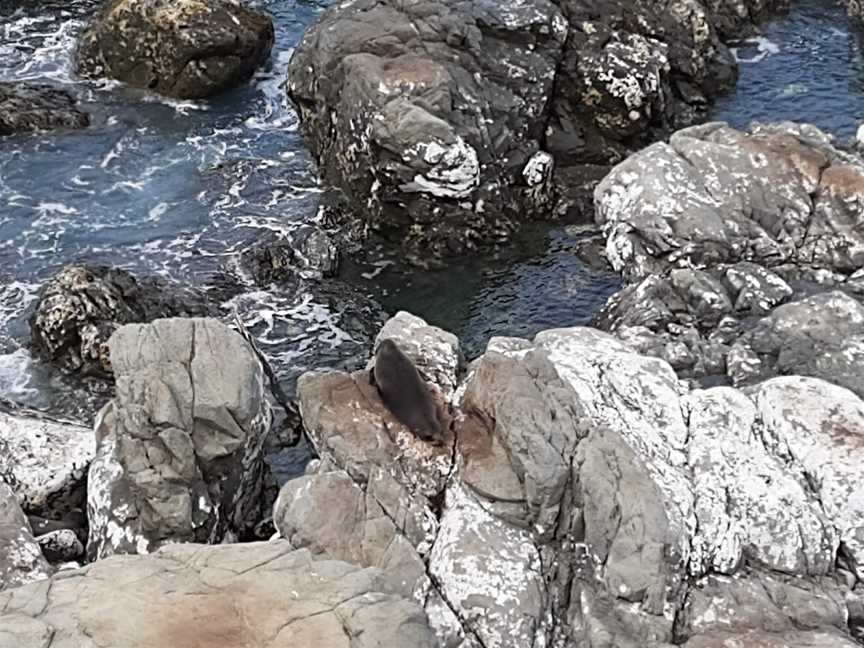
(180, 445)
(180, 48)
(26, 107)
(261, 594)
(82, 305)
(591, 498)
(21, 561)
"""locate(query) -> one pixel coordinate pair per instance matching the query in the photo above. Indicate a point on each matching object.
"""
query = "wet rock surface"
(26, 107)
(184, 49)
(82, 305)
(180, 446)
(261, 594)
(446, 123)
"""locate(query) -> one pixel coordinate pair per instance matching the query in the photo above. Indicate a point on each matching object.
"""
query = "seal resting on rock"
(405, 393)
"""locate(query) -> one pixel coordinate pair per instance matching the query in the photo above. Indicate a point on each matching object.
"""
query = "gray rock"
(778, 194)
(464, 118)
(61, 546)
(592, 498)
(45, 462)
(180, 446)
(307, 252)
(26, 107)
(82, 305)
(760, 639)
(770, 603)
(354, 527)
(21, 562)
(184, 49)
(261, 594)
(820, 336)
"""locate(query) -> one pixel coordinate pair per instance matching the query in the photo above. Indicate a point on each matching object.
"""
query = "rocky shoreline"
(684, 472)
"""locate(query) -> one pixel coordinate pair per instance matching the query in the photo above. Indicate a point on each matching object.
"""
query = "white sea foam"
(764, 48)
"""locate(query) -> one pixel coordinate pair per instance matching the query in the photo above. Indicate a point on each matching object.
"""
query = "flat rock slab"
(190, 596)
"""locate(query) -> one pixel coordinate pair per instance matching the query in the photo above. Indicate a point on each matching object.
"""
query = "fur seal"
(405, 393)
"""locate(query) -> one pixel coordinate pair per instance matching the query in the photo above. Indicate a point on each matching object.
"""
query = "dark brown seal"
(405, 393)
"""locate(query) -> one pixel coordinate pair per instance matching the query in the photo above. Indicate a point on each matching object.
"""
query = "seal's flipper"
(372, 377)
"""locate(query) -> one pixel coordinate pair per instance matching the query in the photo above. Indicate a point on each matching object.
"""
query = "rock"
(21, 562)
(489, 573)
(821, 336)
(45, 461)
(593, 498)
(61, 546)
(26, 107)
(434, 134)
(736, 18)
(306, 252)
(435, 353)
(779, 194)
(355, 529)
(186, 49)
(81, 306)
(816, 428)
(759, 639)
(261, 594)
(770, 603)
(466, 119)
(180, 446)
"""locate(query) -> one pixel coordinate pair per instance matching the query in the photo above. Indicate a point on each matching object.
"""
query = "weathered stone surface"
(355, 529)
(592, 498)
(821, 336)
(760, 639)
(446, 123)
(771, 603)
(734, 18)
(817, 430)
(81, 306)
(21, 561)
(435, 353)
(306, 252)
(45, 462)
(187, 596)
(61, 546)
(27, 107)
(180, 446)
(182, 48)
(779, 194)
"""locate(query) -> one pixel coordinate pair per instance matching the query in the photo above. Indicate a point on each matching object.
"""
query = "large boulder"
(429, 115)
(28, 107)
(21, 561)
(180, 48)
(780, 194)
(448, 123)
(180, 446)
(45, 462)
(82, 305)
(187, 596)
(592, 498)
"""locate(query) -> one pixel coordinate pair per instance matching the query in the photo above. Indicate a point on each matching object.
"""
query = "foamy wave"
(764, 48)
